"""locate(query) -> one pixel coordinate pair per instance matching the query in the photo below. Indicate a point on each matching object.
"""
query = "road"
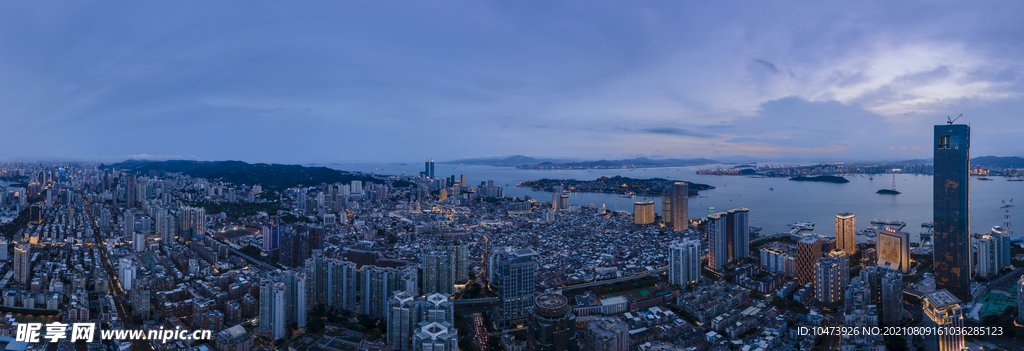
(616, 280)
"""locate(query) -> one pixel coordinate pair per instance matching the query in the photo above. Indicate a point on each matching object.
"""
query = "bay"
(773, 210)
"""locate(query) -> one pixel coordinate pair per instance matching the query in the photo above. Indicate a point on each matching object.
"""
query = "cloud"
(768, 65)
(677, 131)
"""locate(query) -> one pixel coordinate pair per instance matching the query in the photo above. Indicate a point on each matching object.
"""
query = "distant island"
(821, 178)
(888, 192)
(238, 172)
(616, 185)
(525, 162)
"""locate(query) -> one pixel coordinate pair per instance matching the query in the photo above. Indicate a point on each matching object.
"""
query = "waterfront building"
(643, 212)
(808, 251)
(552, 324)
(942, 310)
(846, 232)
(680, 206)
(951, 199)
(728, 237)
(894, 250)
(684, 262)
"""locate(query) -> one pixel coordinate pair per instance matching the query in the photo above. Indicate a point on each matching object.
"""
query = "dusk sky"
(390, 81)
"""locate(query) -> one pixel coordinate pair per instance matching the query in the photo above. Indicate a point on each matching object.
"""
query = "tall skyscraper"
(428, 168)
(272, 308)
(666, 208)
(438, 272)
(126, 273)
(643, 212)
(680, 206)
(846, 232)
(1004, 236)
(552, 324)
(556, 197)
(808, 251)
(514, 277)
(951, 197)
(942, 310)
(728, 237)
(3, 249)
(684, 262)
(828, 280)
(377, 283)
(22, 263)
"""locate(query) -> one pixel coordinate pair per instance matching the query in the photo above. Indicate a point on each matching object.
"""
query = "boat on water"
(888, 222)
(802, 225)
(869, 232)
(628, 195)
(771, 188)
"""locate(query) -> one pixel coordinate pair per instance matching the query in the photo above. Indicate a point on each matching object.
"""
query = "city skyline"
(270, 83)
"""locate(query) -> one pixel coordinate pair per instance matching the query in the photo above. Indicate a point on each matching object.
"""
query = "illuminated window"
(943, 142)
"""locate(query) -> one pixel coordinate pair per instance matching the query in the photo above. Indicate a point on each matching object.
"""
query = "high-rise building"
(437, 308)
(728, 237)
(138, 242)
(22, 263)
(462, 181)
(552, 324)
(129, 224)
(643, 212)
(3, 249)
(556, 196)
(894, 250)
(828, 280)
(680, 206)
(438, 272)
(858, 311)
(666, 208)
(130, 190)
(808, 251)
(402, 320)
(988, 257)
(193, 222)
(1020, 300)
(951, 199)
(456, 245)
(942, 310)
(428, 168)
(844, 265)
(295, 298)
(272, 308)
(563, 202)
(377, 288)
(607, 334)
(846, 232)
(1004, 236)
(684, 262)
(892, 297)
(271, 233)
(344, 279)
(515, 278)
(126, 273)
(235, 338)
(435, 337)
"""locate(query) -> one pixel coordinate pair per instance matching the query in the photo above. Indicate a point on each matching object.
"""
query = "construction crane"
(951, 120)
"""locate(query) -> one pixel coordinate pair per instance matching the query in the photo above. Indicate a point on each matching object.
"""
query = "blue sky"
(346, 81)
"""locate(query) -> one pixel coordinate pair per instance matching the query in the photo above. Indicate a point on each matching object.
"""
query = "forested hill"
(238, 172)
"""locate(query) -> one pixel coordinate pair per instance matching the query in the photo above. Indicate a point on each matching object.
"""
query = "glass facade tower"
(951, 200)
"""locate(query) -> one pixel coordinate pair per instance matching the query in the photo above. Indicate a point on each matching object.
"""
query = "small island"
(888, 192)
(821, 178)
(616, 184)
